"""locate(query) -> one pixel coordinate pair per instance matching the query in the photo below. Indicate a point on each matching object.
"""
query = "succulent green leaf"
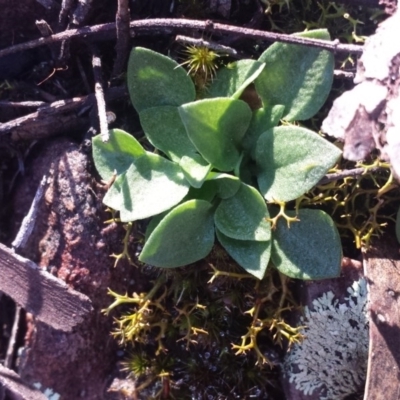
(206, 192)
(291, 161)
(156, 80)
(195, 169)
(151, 185)
(308, 249)
(244, 216)
(234, 78)
(154, 221)
(262, 120)
(164, 129)
(114, 197)
(184, 235)
(298, 77)
(216, 128)
(117, 154)
(398, 225)
(251, 255)
(226, 185)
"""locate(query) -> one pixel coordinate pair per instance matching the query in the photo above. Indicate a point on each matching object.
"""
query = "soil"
(70, 238)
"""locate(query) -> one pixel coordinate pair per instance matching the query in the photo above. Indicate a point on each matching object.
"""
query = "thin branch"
(205, 43)
(159, 26)
(66, 10)
(13, 338)
(57, 117)
(46, 31)
(44, 28)
(123, 38)
(347, 173)
(29, 221)
(63, 21)
(81, 12)
(99, 93)
(23, 104)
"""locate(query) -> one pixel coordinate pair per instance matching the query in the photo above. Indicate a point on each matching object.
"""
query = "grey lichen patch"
(332, 360)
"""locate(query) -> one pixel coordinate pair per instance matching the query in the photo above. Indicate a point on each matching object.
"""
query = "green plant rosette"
(223, 161)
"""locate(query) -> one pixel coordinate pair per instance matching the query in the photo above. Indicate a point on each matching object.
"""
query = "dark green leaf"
(226, 185)
(164, 129)
(262, 120)
(184, 235)
(251, 255)
(150, 186)
(298, 77)
(291, 161)
(156, 80)
(234, 78)
(195, 169)
(244, 216)
(216, 128)
(117, 154)
(309, 249)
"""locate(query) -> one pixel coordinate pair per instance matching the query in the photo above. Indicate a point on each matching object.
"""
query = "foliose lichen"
(332, 360)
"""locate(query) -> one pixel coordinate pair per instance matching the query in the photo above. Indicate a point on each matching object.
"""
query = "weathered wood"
(164, 26)
(40, 293)
(58, 117)
(18, 388)
(382, 269)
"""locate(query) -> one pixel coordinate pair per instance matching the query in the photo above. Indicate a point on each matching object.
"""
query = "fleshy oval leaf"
(151, 185)
(262, 120)
(164, 129)
(243, 216)
(298, 77)
(251, 255)
(115, 155)
(226, 185)
(114, 197)
(184, 235)
(216, 128)
(291, 160)
(308, 249)
(234, 78)
(195, 169)
(156, 80)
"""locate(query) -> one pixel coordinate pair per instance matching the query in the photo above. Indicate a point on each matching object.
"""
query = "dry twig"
(347, 173)
(13, 338)
(57, 117)
(28, 222)
(23, 104)
(123, 38)
(160, 26)
(205, 43)
(99, 93)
